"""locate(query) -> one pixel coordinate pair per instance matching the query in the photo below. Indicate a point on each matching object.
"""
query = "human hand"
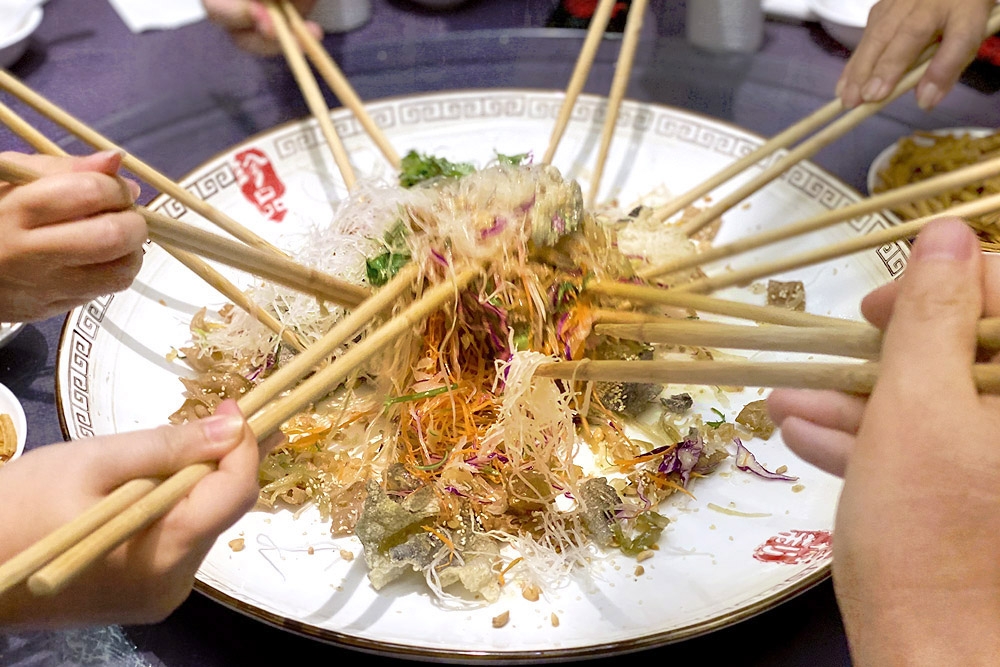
(821, 426)
(917, 528)
(67, 237)
(250, 25)
(146, 578)
(897, 32)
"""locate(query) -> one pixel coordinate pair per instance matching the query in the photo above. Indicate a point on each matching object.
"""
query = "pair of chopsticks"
(861, 342)
(913, 192)
(803, 151)
(55, 560)
(191, 239)
(856, 378)
(619, 83)
(296, 44)
(706, 304)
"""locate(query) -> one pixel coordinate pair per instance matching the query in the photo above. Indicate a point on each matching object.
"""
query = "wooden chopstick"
(855, 343)
(338, 83)
(66, 565)
(707, 304)
(21, 566)
(619, 84)
(813, 145)
(133, 164)
(581, 71)
(277, 268)
(310, 91)
(874, 239)
(852, 377)
(267, 420)
(625, 316)
(858, 344)
(789, 136)
(848, 377)
(214, 279)
(298, 366)
(886, 200)
(61, 568)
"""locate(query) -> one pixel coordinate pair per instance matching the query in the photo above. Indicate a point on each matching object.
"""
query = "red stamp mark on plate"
(260, 183)
(795, 547)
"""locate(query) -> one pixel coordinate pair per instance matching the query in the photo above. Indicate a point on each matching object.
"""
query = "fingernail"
(222, 428)
(928, 96)
(870, 93)
(946, 239)
(133, 188)
(113, 156)
(851, 96)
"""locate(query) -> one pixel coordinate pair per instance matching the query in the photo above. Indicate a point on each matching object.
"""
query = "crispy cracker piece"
(8, 437)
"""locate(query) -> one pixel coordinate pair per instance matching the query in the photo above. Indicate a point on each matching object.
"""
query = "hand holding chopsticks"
(69, 239)
(67, 554)
(193, 240)
(144, 582)
(804, 150)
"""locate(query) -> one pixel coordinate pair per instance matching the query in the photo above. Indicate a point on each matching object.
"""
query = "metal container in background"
(341, 15)
(725, 26)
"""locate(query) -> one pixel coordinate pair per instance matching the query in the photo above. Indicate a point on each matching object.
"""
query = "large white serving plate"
(713, 568)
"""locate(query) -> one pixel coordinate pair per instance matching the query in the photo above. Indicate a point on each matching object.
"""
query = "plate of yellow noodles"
(926, 154)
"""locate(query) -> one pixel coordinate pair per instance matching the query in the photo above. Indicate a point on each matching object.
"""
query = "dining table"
(178, 96)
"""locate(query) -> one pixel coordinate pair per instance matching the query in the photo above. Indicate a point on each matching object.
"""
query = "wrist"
(922, 627)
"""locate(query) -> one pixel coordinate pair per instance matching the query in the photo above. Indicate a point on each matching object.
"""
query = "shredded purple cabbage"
(747, 462)
(684, 457)
(441, 259)
(558, 224)
(269, 361)
(499, 224)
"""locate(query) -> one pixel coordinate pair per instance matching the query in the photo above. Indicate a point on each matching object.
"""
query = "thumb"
(162, 451)
(930, 339)
(108, 163)
(104, 162)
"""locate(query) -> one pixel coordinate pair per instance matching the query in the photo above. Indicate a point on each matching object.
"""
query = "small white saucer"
(11, 406)
(8, 330)
(14, 34)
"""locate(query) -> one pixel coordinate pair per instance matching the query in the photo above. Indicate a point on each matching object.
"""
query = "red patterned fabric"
(989, 50)
(584, 9)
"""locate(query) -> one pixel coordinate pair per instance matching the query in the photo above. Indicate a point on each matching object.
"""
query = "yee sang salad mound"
(445, 456)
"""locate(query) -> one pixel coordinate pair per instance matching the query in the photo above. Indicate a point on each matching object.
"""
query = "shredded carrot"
(508, 567)
(444, 540)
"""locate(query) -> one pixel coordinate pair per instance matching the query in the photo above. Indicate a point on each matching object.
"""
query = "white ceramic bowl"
(14, 34)
(844, 20)
(10, 405)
